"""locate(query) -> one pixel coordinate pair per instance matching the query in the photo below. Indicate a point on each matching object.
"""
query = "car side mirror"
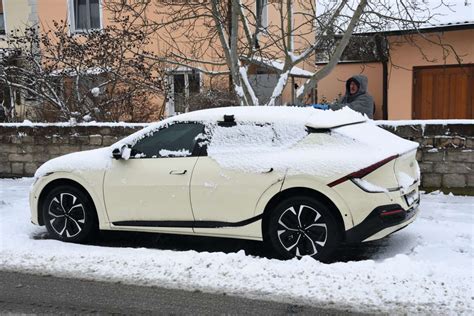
(117, 153)
(121, 152)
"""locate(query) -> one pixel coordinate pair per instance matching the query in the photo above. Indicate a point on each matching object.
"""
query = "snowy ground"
(426, 268)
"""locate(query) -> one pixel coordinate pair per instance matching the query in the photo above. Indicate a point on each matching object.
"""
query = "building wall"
(18, 15)
(406, 55)
(334, 84)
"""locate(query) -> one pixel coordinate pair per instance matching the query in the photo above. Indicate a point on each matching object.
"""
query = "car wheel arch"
(58, 182)
(306, 192)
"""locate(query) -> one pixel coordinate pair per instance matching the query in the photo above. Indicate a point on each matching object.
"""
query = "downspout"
(229, 25)
(385, 90)
(383, 53)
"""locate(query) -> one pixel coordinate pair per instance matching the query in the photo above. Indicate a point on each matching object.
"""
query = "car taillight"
(363, 172)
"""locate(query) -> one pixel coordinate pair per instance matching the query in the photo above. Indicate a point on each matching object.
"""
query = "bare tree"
(90, 76)
(225, 37)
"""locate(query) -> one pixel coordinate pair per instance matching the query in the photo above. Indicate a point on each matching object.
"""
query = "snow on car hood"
(97, 159)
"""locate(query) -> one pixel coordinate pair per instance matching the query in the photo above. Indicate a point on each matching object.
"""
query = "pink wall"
(405, 56)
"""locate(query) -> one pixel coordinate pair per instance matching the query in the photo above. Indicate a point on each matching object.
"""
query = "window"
(177, 140)
(183, 85)
(261, 7)
(85, 15)
(2, 19)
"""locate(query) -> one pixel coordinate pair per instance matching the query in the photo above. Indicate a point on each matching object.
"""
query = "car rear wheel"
(69, 214)
(302, 226)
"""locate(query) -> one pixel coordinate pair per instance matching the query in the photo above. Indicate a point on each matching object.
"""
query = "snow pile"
(330, 119)
(425, 268)
(95, 91)
(97, 159)
(405, 180)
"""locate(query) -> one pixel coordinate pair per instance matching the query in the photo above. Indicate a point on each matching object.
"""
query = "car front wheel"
(69, 214)
(302, 226)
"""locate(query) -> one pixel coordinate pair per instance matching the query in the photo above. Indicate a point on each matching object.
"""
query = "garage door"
(444, 92)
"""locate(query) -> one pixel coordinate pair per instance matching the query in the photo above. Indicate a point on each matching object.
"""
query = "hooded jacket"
(361, 101)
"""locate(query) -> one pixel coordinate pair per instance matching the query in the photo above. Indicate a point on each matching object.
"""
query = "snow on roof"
(454, 12)
(425, 14)
(278, 65)
(85, 71)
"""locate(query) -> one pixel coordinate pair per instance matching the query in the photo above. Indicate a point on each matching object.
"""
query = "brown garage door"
(444, 92)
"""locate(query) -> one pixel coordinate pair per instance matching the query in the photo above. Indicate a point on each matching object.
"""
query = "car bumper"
(382, 221)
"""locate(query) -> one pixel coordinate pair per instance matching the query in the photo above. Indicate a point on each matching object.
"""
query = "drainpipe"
(385, 90)
(229, 25)
(383, 53)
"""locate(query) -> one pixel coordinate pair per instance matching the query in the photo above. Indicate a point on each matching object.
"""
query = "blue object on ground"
(321, 106)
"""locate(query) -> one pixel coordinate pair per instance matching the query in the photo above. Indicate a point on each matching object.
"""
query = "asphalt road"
(33, 294)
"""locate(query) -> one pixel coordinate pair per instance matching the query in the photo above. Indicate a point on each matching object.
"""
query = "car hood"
(97, 159)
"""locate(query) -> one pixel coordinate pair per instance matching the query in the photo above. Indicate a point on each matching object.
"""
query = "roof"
(278, 65)
(427, 15)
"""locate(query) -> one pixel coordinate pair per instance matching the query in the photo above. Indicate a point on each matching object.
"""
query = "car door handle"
(178, 172)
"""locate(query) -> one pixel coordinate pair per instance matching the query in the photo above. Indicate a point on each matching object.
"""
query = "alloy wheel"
(302, 230)
(67, 215)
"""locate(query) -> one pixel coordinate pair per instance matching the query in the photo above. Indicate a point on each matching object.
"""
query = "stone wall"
(24, 148)
(446, 153)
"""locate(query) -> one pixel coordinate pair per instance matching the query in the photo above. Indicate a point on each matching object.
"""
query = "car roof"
(307, 116)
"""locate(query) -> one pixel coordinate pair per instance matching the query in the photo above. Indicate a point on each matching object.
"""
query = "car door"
(151, 189)
(224, 197)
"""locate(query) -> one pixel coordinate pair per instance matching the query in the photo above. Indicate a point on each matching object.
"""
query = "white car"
(300, 179)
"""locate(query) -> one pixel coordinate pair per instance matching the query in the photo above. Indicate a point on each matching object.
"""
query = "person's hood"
(361, 80)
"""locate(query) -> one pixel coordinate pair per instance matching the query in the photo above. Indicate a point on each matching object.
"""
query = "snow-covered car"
(302, 180)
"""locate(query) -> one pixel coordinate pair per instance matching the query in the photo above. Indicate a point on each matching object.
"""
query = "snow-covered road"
(426, 268)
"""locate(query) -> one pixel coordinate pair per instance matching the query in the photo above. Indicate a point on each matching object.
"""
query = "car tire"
(69, 214)
(302, 226)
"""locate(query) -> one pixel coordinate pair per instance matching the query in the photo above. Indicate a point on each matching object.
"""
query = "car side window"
(240, 137)
(176, 140)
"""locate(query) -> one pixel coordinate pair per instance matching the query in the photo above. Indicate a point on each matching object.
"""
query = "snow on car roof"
(307, 116)
(283, 115)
